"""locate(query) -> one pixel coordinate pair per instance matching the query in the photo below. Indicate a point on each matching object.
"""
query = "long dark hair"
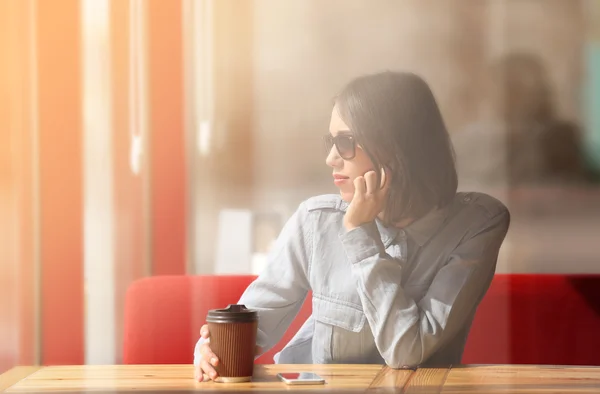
(395, 119)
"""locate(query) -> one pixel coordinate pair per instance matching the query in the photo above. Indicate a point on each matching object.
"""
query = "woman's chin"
(346, 196)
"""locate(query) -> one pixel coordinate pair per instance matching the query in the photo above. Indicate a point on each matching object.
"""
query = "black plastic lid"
(232, 314)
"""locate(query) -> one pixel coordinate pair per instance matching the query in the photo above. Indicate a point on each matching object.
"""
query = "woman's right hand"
(205, 369)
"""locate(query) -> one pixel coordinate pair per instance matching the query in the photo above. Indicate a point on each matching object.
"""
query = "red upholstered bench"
(537, 319)
(163, 316)
(524, 319)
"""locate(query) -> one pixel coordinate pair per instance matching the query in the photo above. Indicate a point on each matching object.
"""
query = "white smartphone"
(300, 378)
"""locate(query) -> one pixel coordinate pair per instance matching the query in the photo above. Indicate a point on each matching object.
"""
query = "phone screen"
(300, 376)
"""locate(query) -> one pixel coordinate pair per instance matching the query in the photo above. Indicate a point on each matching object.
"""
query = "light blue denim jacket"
(403, 297)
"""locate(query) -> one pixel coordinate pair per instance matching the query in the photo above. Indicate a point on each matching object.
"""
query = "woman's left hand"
(368, 201)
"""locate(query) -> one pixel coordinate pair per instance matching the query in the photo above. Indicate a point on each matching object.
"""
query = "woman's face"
(345, 170)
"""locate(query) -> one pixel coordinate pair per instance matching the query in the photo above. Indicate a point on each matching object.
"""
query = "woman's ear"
(385, 177)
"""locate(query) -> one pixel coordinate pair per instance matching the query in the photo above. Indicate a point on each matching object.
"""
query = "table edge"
(15, 375)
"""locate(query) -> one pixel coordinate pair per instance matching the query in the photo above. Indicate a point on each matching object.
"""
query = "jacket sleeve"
(280, 290)
(406, 332)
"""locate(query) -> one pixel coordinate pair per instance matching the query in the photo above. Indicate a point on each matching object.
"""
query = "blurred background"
(154, 137)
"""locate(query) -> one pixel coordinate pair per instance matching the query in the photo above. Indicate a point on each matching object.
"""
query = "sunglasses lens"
(345, 146)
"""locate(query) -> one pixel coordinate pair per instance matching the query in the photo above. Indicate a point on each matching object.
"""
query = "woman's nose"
(333, 158)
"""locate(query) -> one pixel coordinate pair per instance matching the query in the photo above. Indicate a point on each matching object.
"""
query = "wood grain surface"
(390, 380)
(14, 375)
(426, 380)
(522, 379)
(180, 378)
(339, 378)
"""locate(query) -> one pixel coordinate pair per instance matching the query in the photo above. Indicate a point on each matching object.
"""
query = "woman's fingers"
(371, 182)
(207, 354)
(360, 187)
(207, 370)
(204, 333)
(198, 373)
(208, 361)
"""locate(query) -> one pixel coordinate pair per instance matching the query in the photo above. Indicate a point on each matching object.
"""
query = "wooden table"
(346, 378)
(340, 378)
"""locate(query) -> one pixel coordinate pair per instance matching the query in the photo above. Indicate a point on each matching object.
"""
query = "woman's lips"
(340, 179)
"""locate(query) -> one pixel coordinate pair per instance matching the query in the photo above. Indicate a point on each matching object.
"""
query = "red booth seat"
(523, 319)
(163, 316)
(537, 319)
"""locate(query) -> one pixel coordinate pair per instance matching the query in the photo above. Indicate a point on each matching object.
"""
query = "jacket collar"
(420, 230)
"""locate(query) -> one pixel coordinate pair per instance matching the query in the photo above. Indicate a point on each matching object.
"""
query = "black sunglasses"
(344, 144)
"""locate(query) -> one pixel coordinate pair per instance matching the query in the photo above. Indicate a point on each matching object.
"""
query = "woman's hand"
(368, 201)
(205, 370)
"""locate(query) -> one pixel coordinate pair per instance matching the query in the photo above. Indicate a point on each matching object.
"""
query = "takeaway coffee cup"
(233, 340)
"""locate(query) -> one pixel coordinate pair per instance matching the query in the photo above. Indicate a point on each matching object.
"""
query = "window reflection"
(511, 95)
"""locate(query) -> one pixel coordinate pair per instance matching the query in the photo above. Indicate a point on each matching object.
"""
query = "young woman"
(398, 261)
